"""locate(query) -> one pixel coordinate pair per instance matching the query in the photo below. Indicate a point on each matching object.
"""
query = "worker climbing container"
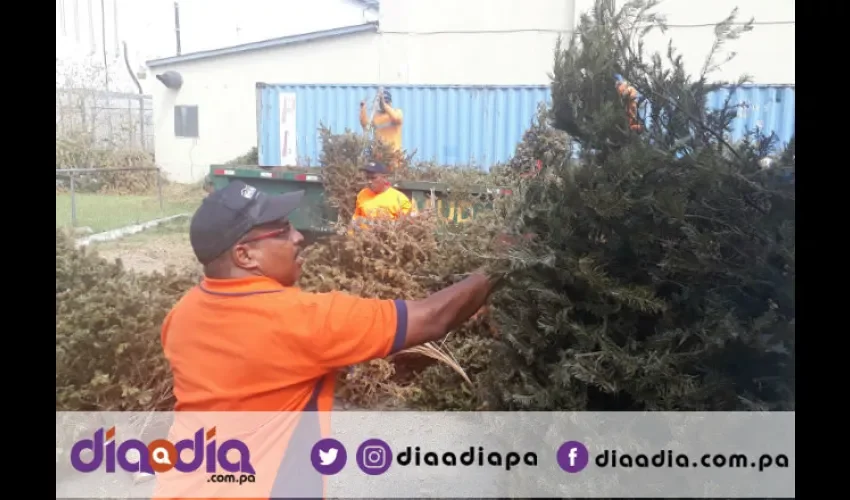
(317, 217)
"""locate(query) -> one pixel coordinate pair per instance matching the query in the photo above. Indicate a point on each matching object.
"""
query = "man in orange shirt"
(379, 200)
(247, 339)
(626, 90)
(386, 123)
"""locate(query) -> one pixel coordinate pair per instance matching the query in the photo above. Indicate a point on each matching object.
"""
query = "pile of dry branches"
(407, 259)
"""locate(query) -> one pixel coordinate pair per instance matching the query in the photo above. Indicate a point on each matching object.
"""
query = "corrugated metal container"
(768, 107)
(448, 124)
(451, 125)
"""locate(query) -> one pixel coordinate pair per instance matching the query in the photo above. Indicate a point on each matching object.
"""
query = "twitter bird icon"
(328, 456)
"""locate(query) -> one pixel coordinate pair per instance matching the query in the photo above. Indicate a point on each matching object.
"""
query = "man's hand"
(481, 313)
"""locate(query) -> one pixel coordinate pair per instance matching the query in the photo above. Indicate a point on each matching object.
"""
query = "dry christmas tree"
(408, 259)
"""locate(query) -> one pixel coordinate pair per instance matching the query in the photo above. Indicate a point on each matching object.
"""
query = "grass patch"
(102, 212)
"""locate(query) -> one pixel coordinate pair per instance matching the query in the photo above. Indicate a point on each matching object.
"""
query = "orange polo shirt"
(253, 345)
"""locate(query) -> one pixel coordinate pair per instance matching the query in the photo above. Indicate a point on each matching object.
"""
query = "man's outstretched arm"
(433, 317)
(348, 330)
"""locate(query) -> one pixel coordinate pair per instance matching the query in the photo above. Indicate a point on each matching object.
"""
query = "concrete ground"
(152, 250)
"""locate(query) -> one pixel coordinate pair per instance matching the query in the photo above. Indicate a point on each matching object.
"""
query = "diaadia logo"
(158, 456)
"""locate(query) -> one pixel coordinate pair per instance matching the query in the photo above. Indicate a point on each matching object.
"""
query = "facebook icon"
(573, 456)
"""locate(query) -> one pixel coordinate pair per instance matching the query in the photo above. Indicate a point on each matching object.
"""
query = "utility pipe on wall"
(92, 40)
(77, 20)
(142, 136)
(103, 40)
(115, 26)
(571, 16)
(177, 25)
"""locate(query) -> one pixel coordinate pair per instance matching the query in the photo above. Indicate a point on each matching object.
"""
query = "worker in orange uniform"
(260, 356)
(630, 93)
(386, 123)
(379, 200)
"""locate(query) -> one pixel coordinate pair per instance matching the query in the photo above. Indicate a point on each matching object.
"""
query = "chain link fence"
(114, 118)
(96, 200)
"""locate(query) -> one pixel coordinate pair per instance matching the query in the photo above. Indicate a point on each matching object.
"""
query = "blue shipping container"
(454, 125)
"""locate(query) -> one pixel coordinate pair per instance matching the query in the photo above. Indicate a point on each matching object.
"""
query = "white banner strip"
(425, 455)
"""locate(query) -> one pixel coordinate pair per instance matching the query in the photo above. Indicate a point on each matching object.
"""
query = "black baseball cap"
(228, 214)
(374, 167)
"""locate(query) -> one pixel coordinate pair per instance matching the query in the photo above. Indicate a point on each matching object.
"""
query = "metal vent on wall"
(171, 79)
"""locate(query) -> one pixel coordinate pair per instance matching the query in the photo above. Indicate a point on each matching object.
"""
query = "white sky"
(148, 25)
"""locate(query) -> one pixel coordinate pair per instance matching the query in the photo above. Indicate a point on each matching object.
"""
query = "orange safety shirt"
(630, 93)
(390, 204)
(253, 345)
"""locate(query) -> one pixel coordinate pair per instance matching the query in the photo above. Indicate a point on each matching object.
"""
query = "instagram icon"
(374, 457)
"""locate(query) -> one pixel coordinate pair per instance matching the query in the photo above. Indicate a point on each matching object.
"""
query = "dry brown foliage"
(343, 156)
(408, 259)
(108, 352)
(540, 142)
(373, 385)
(79, 151)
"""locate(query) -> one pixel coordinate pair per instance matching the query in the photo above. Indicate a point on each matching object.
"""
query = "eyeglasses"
(276, 233)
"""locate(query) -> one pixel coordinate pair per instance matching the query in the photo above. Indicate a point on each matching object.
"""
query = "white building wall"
(510, 42)
(471, 42)
(224, 89)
